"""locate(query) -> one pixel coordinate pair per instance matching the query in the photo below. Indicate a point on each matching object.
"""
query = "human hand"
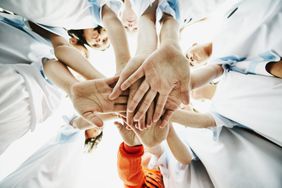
(91, 97)
(149, 137)
(133, 64)
(129, 137)
(199, 53)
(165, 70)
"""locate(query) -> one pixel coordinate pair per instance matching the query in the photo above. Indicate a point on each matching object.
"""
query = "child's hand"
(149, 137)
(127, 134)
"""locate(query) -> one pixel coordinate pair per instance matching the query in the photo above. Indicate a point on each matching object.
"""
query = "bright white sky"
(98, 168)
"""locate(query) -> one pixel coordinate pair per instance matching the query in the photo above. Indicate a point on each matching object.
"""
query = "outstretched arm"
(72, 58)
(117, 37)
(204, 75)
(177, 147)
(193, 119)
(68, 55)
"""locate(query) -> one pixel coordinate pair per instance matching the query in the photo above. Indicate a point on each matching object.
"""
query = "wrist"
(132, 148)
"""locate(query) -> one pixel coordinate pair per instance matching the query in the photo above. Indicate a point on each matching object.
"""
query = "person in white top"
(33, 98)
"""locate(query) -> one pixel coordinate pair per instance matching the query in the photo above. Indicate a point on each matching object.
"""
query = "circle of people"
(45, 47)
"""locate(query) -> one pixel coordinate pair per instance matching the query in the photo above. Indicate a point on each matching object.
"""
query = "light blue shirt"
(248, 65)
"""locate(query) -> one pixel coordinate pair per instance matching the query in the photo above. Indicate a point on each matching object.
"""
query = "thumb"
(184, 91)
(93, 118)
(111, 80)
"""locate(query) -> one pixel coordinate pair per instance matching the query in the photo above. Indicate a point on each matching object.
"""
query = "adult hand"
(133, 64)
(165, 70)
(91, 97)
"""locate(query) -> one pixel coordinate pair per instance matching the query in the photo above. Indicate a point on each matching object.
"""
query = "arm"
(59, 74)
(147, 35)
(193, 119)
(72, 58)
(178, 148)
(67, 54)
(204, 75)
(129, 165)
(117, 37)
(275, 68)
(169, 36)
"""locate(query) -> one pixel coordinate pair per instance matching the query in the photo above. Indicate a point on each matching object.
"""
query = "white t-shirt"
(248, 28)
(26, 97)
(239, 158)
(180, 175)
(69, 14)
(253, 101)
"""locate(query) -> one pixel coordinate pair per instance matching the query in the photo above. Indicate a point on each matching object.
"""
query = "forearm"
(169, 34)
(204, 75)
(73, 59)
(59, 74)
(147, 39)
(193, 119)
(178, 148)
(117, 37)
(156, 150)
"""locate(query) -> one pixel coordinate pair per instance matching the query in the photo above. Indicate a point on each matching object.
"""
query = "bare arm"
(71, 57)
(275, 68)
(169, 36)
(147, 36)
(59, 74)
(204, 75)
(117, 37)
(193, 119)
(67, 54)
(177, 147)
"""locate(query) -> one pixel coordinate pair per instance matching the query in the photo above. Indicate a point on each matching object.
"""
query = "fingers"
(145, 105)
(132, 79)
(129, 118)
(121, 100)
(167, 115)
(119, 108)
(93, 118)
(142, 90)
(184, 91)
(116, 91)
(149, 115)
(130, 68)
(159, 107)
(111, 80)
(141, 124)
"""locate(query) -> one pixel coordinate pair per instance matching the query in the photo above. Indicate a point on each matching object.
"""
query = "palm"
(90, 97)
(153, 135)
(166, 69)
(128, 136)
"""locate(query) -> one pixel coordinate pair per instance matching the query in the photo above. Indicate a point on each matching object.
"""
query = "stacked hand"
(149, 137)
(164, 78)
(91, 97)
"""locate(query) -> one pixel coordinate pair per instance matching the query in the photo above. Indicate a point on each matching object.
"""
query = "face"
(95, 39)
(129, 19)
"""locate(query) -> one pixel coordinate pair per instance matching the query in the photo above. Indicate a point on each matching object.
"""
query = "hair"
(78, 34)
(92, 143)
